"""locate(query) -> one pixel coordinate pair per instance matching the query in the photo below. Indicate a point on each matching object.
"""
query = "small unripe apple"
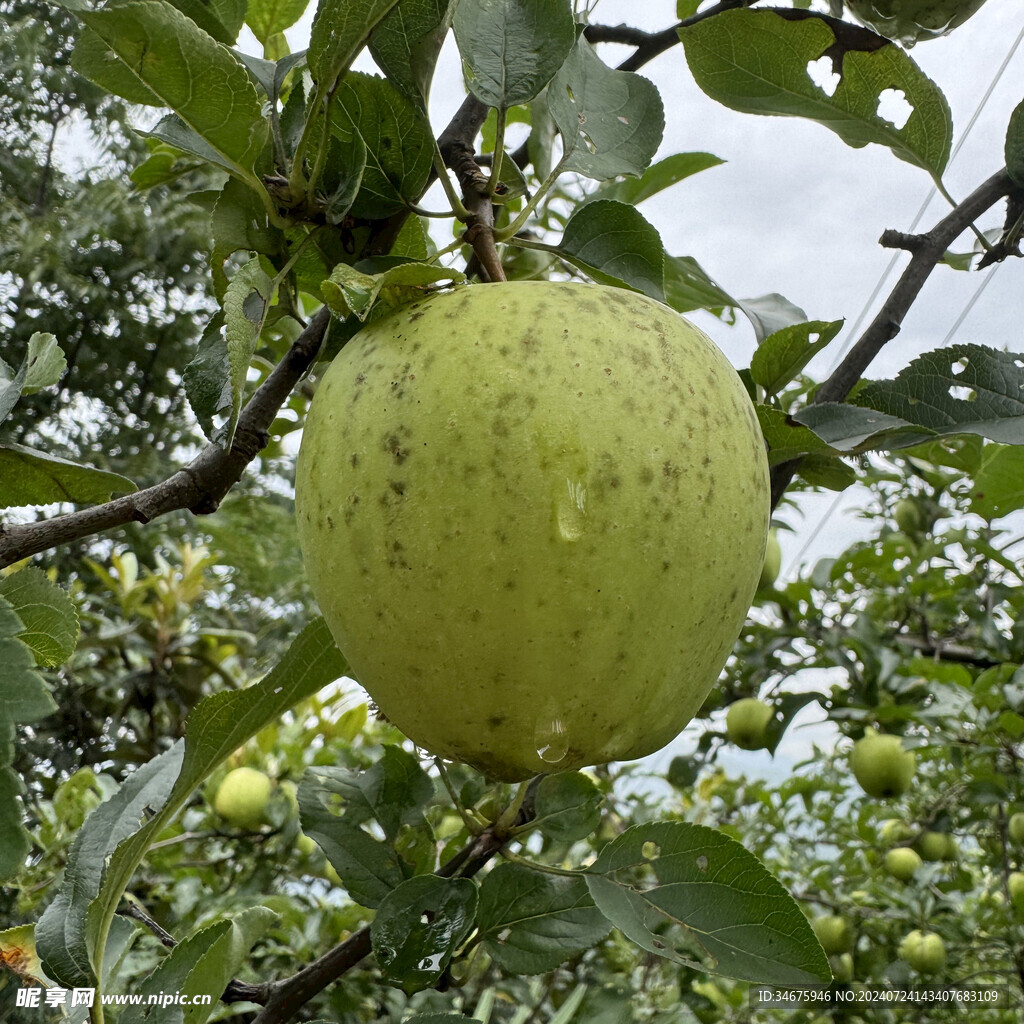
(902, 863)
(842, 967)
(881, 765)
(911, 21)
(936, 846)
(772, 561)
(910, 517)
(1015, 887)
(894, 831)
(924, 951)
(746, 722)
(534, 515)
(242, 797)
(1015, 828)
(305, 844)
(834, 933)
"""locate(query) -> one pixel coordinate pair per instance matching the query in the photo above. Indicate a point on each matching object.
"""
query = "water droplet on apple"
(571, 510)
(551, 741)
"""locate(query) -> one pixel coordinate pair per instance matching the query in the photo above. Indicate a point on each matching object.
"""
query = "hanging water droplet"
(552, 743)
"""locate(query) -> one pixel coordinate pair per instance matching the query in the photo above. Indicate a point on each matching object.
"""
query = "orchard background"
(163, 307)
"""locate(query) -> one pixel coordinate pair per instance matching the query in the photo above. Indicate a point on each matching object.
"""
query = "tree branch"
(288, 995)
(456, 145)
(200, 486)
(927, 251)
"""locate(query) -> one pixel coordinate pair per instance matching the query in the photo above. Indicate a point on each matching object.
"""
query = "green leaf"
(568, 806)
(24, 698)
(246, 302)
(47, 614)
(511, 49)
(207, 380)
(532, 922)
(770, 313)
(658, 177)
(757, 62)
(45, 363)
(959, 389)
(172, 131)
(216, 727)
(240, 224)
(611, 122)
(222, 19)
(202, 964)
(406, 43)
(29, 477)
(371, 113)
(419, 926)
(786, 440)
(999, 484)
(782, 355)
(340, 31)
(154, 50)
(614, 244)
(718, 897)
(61, 932)
(351, 293)
(688, 287)
(268, 17)
(1014, 147)
(392, 792)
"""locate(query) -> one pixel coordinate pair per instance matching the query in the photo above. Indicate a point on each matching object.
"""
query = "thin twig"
(928, 251)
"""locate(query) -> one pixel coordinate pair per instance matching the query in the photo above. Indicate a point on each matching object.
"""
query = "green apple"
(305, 844)
(881, 765)
(924, 951)
(842, 967)
(834, 933)
(910, 516)
(894, 831)
(534, 515)
(902, 863)
(1015, 887)
(935, 846)
(911, 21)
(746, 722)
(242, 797)
(772, 562)
(1015, 828)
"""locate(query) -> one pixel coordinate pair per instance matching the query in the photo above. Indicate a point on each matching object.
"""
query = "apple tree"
(196, 797)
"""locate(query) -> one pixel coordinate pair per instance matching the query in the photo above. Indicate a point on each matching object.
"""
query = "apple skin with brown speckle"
(534, 515)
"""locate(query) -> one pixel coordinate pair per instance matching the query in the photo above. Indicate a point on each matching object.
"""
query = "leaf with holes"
(611, 122)
(420, 925)
(614, 244)
(783, 354)
(757, 62)
(717, 899)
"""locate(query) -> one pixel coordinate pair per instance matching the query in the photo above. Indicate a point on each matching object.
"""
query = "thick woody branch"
(927, 252)
(456, 145)
(200, 486)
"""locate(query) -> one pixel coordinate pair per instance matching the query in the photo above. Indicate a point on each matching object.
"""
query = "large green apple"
(910, 21)
(534, 515)
(242, 797)
(881, 765)
(747, 721)
(924, 951)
